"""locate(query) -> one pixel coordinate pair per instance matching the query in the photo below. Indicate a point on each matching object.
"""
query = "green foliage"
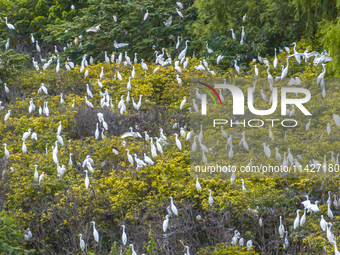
(10, 236)
(269, 24)
(312, 12)
(224, 249)
(48, 21)
(118, 193)
(330, 34)
(264, 30)
(11, 63)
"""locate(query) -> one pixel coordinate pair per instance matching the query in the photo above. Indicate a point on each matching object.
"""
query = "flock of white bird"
(164, 59)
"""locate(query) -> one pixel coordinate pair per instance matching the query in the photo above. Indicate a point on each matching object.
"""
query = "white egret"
(285, 70)
(87, 180)
(153, 148)
(256, 71)
(36, 174)
(297, 219)
(183, 52)
(70, 161)
(135, 61)
(24, 147)
(130, 158)
(210, 200)
(336, 252)
(233, 34)
(329, 211)
(100, 84)
(179, 13)
(158, 145)
(241, 242)
(88, 91)
(179, 4)
(232, 177)
(119, 45)
(286, 243)
(313, 207)
(7, 115)
(101, 76)
(183, 103)
(62, 101)
(144, 66)
(146, 15)
(6, 151)
(281, 228)
(308, 124)
(328, 128)
(194, 144)
(96, 133)
(329, 234)
(81, 242)
(165, 223)
(93, 29)
(59, 128)
(42, 177)
(6, 88)
(231, 152)
(296, 54)
(95, 232)
(306, 203)
(58, 66)
(321, 76)
(329, 200)
(133, 252)
(183, 134)
(204, 158)
(219, 59)
(7, 44)
(88, 102)
(128, 85)
(187, 253)
(140, 163)
(243, 185)
(31, 108)
(37, 46)
(178, 142)
(10, 26)
(221, 96)
(86, 74)
(275, 60)
(173, 207)
(271, 134)
(148, 160)
(178, 42)
(277, 154)
(336, 119)
(237, 68)
(198, 185)
(119, 76)
(60, 140)
(264, 97)
(260, 222)
(208, 49)
(303, 218)
(124, 237)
